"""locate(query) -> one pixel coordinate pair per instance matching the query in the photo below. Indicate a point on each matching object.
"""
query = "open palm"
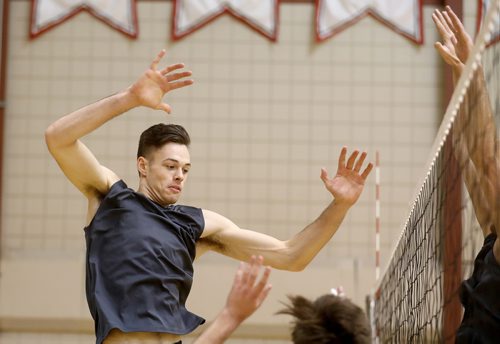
(457, 44)
(150, 88)
(346, 186)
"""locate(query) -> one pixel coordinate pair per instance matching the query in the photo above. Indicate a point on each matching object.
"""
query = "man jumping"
(140, 244)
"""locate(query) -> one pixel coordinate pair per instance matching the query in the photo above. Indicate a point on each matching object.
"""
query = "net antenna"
(414, 299)
(377, 215)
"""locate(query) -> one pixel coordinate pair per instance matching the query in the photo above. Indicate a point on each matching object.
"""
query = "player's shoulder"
(215, 222)
(213, 216)
(187, 209)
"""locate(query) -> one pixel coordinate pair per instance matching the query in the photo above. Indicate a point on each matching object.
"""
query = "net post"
(452, 224)
(370, 311)
(452, 242)
(4, 25)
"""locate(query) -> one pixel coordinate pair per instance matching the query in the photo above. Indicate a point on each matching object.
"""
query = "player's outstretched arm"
(246, 296)
(223, 236)
(63, 136)
(455, 49)
(474, 131)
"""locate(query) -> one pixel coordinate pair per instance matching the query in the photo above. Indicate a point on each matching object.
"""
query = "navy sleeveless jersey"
(480, 297)
(140, 264)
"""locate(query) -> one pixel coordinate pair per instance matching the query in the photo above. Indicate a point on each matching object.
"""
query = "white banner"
(190, 15)
(403, 16)
(119, 14)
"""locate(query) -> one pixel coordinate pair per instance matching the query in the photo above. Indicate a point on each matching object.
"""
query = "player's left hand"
(349, 182)
(457, 44)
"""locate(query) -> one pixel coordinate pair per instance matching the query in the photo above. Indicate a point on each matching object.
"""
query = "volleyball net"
(417, 297)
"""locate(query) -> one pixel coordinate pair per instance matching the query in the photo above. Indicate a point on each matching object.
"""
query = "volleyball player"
(476, 148)
(140, 244)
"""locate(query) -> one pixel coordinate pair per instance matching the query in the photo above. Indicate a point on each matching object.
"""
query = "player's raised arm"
(295, 254)
(63, 136)
(474, 130)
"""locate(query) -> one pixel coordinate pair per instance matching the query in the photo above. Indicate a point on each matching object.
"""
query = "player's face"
(166, 172)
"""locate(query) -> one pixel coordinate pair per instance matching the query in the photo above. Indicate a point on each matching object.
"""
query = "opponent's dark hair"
(160, 134)
(328, 320)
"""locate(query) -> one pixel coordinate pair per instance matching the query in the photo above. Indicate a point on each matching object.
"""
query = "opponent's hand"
(348, 183)
(457, 44)
(248, 291)
(150, 88)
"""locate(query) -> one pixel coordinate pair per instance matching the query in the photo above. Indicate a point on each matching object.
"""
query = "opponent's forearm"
(475, 133)
(456, 72)
(68, 129)
(482, 207)
(219, 330)
(482, 130)
(304, 246)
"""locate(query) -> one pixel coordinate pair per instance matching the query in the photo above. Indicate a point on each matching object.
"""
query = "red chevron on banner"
(402, 16)
(119, 14)
(260, 15)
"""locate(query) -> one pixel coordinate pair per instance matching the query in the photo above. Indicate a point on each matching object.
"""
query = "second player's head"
(328, 320)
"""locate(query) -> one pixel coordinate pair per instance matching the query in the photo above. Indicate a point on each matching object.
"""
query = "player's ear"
(142, 166)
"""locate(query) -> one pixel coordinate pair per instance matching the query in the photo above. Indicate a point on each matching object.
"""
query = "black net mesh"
(417, 299)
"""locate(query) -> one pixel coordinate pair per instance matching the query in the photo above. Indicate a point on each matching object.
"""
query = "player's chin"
(171, 199)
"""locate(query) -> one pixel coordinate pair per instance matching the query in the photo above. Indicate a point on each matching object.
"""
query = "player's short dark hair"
(328, 320)
(159, 135)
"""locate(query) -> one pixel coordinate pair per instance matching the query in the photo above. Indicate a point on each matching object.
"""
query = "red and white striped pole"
(377, 216)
